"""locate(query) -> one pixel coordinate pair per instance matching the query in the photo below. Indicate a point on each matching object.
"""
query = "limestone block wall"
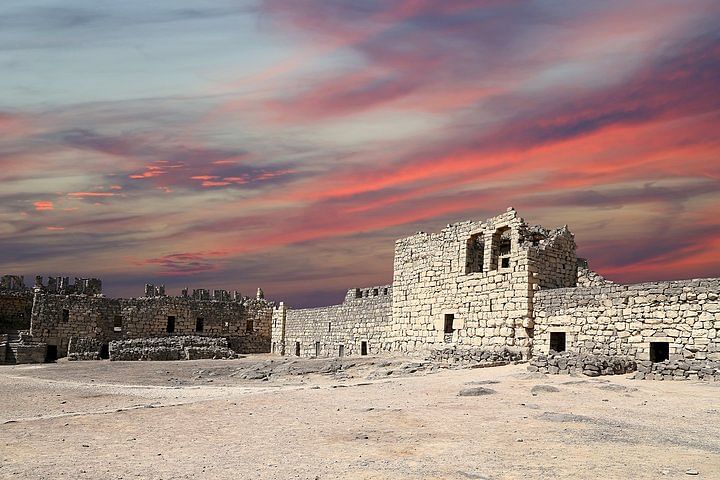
(56, 318)
(15, 310)
(480, 277)
(625, 319)
(364, 316)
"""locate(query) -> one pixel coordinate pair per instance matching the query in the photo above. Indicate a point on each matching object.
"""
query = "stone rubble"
(569, 363)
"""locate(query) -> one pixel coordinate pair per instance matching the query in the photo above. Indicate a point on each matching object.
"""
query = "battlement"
(62, 285)
(201, 294)
(355, 294)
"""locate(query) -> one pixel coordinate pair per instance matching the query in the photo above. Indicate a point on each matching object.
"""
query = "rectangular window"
(199, 324)
(505, 262)
(557, 341)
(363, 348)
(65, 315)
(659, 351)
(317, 349)
(329, 326)
(341, 351)
(474, 254)
(117, 323)
(449, 320)
(249, 327)
(170, 324)
(297, 349)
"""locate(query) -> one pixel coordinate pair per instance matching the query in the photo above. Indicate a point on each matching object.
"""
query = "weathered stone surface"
(475, 392)
(170, 348)
(587, 364)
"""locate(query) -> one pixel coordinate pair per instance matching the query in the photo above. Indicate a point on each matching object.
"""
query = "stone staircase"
(18, 347)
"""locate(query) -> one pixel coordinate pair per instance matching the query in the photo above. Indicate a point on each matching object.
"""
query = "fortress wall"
(438, 281)
(625, 320)
(15, 310)
(57, 318)
(364, 316)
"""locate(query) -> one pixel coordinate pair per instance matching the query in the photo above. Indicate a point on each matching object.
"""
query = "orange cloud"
(44, 205)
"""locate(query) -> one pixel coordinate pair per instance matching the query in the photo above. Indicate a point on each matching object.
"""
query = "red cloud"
(44, 205)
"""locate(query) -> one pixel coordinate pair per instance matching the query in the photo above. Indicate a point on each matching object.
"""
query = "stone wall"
(84, 348)
(576, 363)
(466, 291)
(472, 285)
(633, 320)
(57, 318)
(679, 370)
(191, 347)
(338, 330)
(15, 310)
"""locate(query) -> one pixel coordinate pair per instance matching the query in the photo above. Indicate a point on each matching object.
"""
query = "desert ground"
(263, 417)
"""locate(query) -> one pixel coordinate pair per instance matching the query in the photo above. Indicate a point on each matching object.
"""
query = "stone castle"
(476, 292)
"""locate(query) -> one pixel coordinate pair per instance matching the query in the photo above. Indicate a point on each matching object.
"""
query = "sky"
(286, 144)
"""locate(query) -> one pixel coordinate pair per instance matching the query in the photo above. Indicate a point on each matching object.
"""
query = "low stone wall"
(587, 364)
(170, 348)
(84, 348)
(250, 344)
(474, 356)
(679, 370)
(26, 353)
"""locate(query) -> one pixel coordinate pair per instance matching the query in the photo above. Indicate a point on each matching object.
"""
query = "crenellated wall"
(364, 316)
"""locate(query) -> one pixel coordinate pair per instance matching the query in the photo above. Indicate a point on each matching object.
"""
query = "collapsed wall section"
(358, 326)
(656, 322)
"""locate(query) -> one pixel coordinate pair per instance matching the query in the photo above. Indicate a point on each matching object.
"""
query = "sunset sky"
(287, 144)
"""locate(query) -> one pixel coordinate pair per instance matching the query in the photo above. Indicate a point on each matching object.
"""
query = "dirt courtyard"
(263, 417)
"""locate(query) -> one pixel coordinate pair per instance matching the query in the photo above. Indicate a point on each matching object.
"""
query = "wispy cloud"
(255, 142)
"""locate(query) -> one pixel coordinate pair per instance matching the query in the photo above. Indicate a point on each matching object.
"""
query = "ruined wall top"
(61, 285)
(203, 294)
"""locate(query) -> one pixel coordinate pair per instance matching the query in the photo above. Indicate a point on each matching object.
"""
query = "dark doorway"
(170, 324)
(199, 325)
(659, 351)
(341, 351)
(557, 341)
(51, 353)
(249, 327)
(297, 349)
(449, 319)
(363, 348)
(317, 349)
(105, 351)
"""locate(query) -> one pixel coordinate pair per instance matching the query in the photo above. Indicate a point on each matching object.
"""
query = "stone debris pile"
(476, 356)
(171, 348)
(678, 370)
(587, 364)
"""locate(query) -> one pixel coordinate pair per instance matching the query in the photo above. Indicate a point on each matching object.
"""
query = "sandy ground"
(372, 418)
